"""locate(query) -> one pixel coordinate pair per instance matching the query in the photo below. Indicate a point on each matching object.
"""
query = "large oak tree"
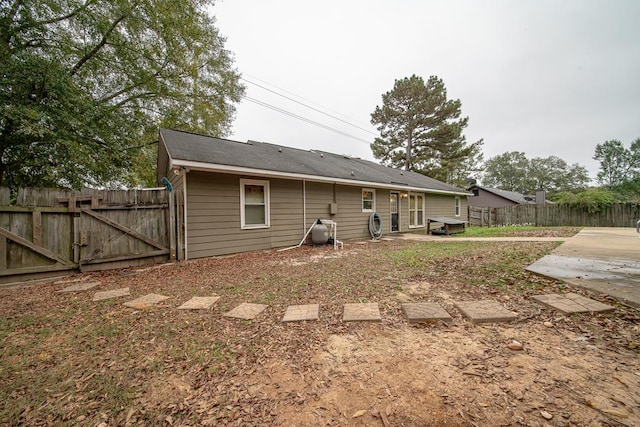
(84, 84)
(618, 165)
(513, 171)
(421, 130)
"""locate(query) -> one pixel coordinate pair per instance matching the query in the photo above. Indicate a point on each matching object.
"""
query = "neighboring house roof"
(199, 152)
(509, 195)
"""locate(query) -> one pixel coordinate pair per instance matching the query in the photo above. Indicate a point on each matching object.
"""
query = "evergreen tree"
(421, 130)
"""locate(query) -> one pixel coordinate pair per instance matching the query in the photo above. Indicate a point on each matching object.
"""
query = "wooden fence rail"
(616, 215)
(52, 230)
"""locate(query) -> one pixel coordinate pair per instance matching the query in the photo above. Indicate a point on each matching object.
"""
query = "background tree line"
(618, 177)
(84, 85)
(422, 130)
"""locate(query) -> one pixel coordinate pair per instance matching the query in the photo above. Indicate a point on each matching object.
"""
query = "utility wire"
(308, 106)
(304, 119)
(361, 123)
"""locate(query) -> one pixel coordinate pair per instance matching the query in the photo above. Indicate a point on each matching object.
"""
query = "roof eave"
(239, 170)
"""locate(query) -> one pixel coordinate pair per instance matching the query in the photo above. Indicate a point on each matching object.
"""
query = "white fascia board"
(239, 170)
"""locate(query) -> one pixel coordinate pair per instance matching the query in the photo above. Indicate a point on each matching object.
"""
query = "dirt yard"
(66, 360)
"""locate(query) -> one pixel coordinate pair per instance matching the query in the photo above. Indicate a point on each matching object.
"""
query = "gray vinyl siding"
(287, 227)
(213, 217)
(352, 222)
(444, 205)
(318, 198)
(213, 212)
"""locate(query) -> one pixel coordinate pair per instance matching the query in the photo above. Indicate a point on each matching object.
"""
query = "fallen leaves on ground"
(66, 360)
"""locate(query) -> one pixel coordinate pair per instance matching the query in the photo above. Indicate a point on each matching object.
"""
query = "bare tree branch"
(132, 86)
(134, 97)
(99, 46)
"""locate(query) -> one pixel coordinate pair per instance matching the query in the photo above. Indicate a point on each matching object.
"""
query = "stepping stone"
(484, 311)
(67, 281)
(361, 313)
(99, 296)
(572, 303)
(297, 313)
(425, 311)
(83, 286)
(246, 311)
(145, 301)
(199, 303)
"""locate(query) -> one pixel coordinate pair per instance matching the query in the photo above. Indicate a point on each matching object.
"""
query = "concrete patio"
(604, 260)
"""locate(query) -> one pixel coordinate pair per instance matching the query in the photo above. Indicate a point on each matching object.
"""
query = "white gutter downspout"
(184, 213)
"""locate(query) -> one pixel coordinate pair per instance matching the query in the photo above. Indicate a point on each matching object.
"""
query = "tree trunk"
(407, 159)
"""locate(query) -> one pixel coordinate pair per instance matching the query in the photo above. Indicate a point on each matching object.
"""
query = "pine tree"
(421, 130)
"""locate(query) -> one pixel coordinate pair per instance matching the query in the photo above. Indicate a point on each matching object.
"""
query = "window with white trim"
(254, 204)
(368, 200)
(457, 206)
(416, 210)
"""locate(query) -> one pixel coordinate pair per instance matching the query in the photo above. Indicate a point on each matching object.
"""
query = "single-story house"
(485, 197)
(234, 196)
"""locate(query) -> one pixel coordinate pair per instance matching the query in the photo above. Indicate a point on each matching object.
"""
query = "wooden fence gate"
(481, 217)
(48, 231)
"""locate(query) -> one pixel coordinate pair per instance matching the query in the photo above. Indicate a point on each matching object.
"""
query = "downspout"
(304, 206)
(184, 212)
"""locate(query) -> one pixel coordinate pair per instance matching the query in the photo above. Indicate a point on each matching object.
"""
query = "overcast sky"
(542, 77)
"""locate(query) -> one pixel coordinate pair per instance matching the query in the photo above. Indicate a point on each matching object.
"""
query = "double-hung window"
(457, 206)
(368, 200)
(254, 203)
(416, 210)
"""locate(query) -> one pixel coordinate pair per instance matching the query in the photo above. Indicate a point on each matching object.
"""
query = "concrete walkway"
(604, 260)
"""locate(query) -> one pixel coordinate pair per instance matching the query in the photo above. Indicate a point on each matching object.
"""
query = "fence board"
(5, 196)
(49, 227)
(616, 215)
(33, 247)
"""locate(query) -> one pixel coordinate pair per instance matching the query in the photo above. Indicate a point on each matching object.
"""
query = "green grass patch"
(426, 253)
(519, 231)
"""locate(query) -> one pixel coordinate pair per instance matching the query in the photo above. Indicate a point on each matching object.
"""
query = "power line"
(308, 106)
(306, 99)
(304, 119)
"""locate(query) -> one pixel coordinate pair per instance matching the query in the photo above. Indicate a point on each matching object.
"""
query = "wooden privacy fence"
(52, 230)
(616, 215)
(481, 217)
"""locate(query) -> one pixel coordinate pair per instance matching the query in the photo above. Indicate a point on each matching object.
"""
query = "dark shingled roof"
(509, 195)
(263, 156)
